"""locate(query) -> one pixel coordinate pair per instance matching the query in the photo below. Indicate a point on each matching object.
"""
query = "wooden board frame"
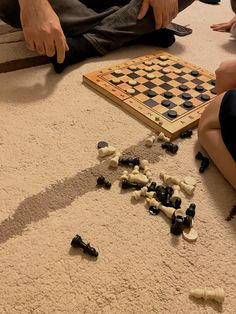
(141, 111)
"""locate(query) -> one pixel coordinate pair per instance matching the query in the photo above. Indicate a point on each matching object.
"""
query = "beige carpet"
(49, 129)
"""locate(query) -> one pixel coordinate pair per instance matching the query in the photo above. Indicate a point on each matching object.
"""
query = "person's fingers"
(60, 50)
(40, 48)
(50, 49)
(30, 45)
(144, 9)
(66, 46)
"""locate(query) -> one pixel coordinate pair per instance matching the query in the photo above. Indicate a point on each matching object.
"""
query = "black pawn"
(188, 221)
(153, 210)
(177, 226)
(170, 147)
(204, 164)
(177, 203)
(152, 187)
(160, 193)
(186, 134)
(101, 181)
(199, 156)
(129, 161)
(77, 242)
(190, 211)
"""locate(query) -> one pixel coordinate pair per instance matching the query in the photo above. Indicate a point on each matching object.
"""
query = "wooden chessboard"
(162, 90)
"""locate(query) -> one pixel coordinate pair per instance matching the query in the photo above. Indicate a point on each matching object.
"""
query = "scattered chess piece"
(216, 294)
(149, 141)
(152, 187)
(186, 134)
(129, 161)
(189, 189)
(190, 211)
(137, 177)
(77, 242)
(101, 181)
(162, 137)
(170, 147)
(114, 161)
(188, 221)
(190, 234)
(153, 210)
(124, 175)
(143, 192)
(168, 211)
(177, 227)
(204, 162)
(130, 185)
(106, 151)
(160, 193)
(145, 165)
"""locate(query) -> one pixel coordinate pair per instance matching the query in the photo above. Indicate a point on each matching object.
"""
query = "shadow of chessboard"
(8, 36)
(164, 91)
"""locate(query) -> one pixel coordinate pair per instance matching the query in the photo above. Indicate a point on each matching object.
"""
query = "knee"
(225, 67)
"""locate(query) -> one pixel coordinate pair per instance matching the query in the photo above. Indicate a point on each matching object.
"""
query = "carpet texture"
(49, 128)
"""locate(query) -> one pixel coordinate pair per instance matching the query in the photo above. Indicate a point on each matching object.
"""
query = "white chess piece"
(145, 165)
(162, 137)
(114, 161)
(176, 193)
(124, 175)
(216, 294)
(106, 151)
(168, 211)
(138, 177)
(143, 192)
(149, 141)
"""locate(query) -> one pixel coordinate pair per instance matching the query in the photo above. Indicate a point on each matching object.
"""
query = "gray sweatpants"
(106, 29)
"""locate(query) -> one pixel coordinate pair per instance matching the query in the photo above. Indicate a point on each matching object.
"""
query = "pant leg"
(122, 26)
(10, 12)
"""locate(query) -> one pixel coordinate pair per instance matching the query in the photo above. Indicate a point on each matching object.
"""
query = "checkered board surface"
(169, 112)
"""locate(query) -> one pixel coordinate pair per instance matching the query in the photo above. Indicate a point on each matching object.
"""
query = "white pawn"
(136, 170)
(124, 175)
(145, 165)
(149, 141)
(189, 189)
(143, 192)
(162, 137)
(114, 162)
(217, 294)
(138, 177)
(106, 151)
(176, 193)
(168, 211)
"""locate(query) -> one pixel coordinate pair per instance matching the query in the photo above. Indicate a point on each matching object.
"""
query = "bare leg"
(209, 134)
(226, 76)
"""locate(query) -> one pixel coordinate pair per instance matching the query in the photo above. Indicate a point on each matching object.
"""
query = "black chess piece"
(130, 185)
(177, 225)
(190, 211)
(101, 181)
(232, 213)
(188, 221)
(204, 162)
(168, 193)
(186, 134)
(129, 161)
(170, 147)
(177, 203)
(152, 187)
(160, 193)
(153, 210)
(77, 242)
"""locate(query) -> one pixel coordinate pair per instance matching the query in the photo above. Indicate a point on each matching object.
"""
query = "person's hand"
(42, 29)
(164, 11)
(224, 27)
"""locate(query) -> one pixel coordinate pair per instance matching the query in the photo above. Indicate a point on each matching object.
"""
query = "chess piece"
(114, 161)
(143, 192)
(189, 189)
(138, 177)
(162, 137)
(145, 165)
(177, 227)
(190, 234)
(170, 147)
(186, 134)
(130, 185)
(216, 294)
(168, 211)
(149, 141)
(152, 187)
(124, 175)
(106, 151)
(77, 242)
(190, 211)
(101, 181)
(204, 162)
(153, 210)
(102, 144)
(188, 221)
(129, 161)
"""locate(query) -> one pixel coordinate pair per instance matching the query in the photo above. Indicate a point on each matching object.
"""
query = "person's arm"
(164, 11)
(42, 28)
(224, 27)
(226, 76)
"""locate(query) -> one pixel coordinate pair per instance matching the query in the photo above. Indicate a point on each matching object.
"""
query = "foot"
(79, 50)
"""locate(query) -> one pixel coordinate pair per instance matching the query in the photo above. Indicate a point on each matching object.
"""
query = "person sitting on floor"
(217, 125)
(70, 31)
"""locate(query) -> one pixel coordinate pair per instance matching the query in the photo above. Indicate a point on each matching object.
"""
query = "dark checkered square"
(149, 85)
(178, 66)
(197, 81)
(165, 78)
(133, 75)
(166, 86)
(181, 80)
(150, 103)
